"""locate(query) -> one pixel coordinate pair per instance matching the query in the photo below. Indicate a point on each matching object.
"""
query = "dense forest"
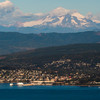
(87, 53)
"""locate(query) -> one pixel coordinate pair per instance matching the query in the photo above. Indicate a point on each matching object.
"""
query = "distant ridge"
(11, 42)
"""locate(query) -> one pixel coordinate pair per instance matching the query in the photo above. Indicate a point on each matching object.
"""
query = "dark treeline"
(83, 58)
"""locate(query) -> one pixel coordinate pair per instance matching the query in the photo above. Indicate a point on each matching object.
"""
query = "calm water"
(49, 93)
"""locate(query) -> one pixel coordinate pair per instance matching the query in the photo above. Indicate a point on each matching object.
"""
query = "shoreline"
(85, 85)
(55, 85)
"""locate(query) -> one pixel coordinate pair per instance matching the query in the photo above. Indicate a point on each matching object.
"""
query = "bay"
(49, 93)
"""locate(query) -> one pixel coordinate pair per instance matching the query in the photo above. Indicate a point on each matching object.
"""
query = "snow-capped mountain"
(58, 20)
(64, 18)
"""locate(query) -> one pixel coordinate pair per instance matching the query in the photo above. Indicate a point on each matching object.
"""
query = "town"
(42, 69)
(36, 77)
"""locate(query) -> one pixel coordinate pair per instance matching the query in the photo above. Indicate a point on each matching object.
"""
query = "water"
(49, 93)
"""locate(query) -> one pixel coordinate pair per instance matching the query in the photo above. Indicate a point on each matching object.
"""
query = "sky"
(43, 6)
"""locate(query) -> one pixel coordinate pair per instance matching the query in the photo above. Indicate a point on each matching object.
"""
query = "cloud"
(93, 17)
(5, 4)
(9, 14)
(89, 15)
(97, 16)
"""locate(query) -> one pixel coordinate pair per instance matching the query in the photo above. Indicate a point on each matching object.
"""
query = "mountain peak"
(59, 11)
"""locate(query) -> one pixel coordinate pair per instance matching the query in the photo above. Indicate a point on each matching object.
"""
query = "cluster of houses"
(39, 77)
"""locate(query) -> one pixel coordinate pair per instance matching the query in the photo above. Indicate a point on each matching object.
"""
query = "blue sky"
(37, 6)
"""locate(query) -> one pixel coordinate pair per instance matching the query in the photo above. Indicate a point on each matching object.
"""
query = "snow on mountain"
(63, 18)
(55, 20)
(96, 21)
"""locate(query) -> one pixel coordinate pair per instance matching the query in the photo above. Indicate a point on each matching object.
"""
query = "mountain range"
(11, 42)
(57, 20)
